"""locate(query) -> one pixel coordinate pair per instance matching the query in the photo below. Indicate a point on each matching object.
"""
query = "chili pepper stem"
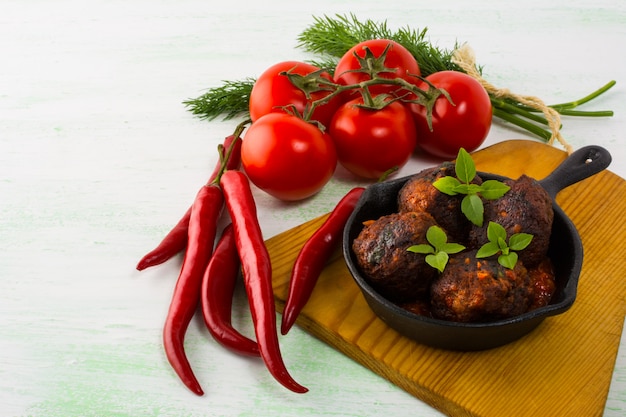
(176, 239)
(234, 145)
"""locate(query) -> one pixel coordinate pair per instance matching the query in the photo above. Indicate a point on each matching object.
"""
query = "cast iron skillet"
(566, 253)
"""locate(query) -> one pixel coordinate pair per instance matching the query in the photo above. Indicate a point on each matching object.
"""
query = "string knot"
(464, 57)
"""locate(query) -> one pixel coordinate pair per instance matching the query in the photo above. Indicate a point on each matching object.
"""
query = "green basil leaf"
(487, 250)
(464, 167)
(438, 261)
(493, 189)
(520, 241)
(508, 261)
(451, 248)
(472, 207)
(503, 246)
(423, 248)
(436, 237)
(495, 232)
(447, 185)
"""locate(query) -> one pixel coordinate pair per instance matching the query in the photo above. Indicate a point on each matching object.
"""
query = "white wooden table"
(99, 158)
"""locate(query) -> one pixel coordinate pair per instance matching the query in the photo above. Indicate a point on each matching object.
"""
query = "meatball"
(480, 290)
(525, 208)
(418, 194)
(382, 255)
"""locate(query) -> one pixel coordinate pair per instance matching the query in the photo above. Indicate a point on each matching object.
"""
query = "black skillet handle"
(581, 164)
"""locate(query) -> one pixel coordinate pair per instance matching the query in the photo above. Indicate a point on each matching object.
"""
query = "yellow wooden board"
(563, 368)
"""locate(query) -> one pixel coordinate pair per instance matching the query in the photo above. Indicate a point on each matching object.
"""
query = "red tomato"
(287, 157)
(462, 125)
(371, 142)
(398, 59)
(272, 92)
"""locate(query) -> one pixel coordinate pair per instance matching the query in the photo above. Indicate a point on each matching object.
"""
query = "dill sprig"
(332, 37)
(229, 100)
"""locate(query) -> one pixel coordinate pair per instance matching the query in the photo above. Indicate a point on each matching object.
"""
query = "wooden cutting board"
(563, 368)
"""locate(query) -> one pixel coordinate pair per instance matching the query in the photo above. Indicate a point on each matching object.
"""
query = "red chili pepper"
(257, 272)
(176, 239)
(174, 242)
(314, 255)
(218, 287)
(205, 212)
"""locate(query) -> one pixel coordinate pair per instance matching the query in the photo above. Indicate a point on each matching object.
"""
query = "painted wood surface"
(99, 158)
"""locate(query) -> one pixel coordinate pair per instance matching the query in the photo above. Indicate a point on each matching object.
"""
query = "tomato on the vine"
(273, 92)
(287, 157)
(464, 124)
(398, 63)
(371, 142)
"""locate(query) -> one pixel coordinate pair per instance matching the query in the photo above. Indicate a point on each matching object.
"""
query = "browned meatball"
(525, 208)
(480, 290)
(382, 255)
(419, 194)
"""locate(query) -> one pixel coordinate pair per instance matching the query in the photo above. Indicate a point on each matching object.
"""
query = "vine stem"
(423, 97)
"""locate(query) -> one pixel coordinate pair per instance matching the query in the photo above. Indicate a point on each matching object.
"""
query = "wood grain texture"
(563, 368)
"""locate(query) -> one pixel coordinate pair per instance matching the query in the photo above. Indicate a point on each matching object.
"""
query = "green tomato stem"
(426, 98)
